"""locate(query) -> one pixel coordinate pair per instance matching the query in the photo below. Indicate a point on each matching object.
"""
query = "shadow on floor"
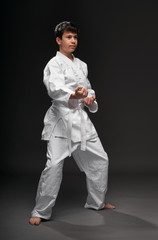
(104, 224)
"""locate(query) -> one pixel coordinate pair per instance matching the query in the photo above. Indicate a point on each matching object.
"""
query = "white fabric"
(93, 161)
(61, 77)
(68, 130)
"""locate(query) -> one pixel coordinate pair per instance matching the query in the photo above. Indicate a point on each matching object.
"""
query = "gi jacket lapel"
(75, 67)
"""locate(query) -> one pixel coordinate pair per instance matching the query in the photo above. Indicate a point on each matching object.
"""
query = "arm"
(55, 83)
(90, 100)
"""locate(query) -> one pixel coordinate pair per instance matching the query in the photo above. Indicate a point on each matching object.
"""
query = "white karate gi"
(68, 130)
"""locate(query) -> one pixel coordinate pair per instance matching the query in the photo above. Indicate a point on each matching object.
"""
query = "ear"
(58, 40)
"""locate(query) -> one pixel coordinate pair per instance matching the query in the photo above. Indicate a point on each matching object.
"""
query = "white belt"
(83, 130)
(83, 126)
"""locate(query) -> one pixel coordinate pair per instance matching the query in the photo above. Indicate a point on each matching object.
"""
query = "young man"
(68, 129)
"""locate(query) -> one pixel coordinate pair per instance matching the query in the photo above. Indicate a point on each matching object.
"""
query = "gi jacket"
(66, 118)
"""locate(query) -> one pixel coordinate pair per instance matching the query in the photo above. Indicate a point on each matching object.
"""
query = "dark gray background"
(118, 40)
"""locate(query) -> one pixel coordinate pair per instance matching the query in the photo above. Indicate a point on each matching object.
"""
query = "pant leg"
(51, 177)
(94, 162)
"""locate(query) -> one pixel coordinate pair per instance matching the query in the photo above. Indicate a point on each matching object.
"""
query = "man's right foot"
(35, 221)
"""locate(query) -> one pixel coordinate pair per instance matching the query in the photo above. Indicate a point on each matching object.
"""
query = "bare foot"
(109, 206)
(35, 220)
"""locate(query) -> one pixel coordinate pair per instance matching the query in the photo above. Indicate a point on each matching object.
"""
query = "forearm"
(73, 96)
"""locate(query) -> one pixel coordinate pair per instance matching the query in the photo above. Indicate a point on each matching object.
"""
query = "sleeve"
(91, 93)
(55, 82)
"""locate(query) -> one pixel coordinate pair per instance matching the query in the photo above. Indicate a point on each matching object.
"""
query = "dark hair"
(65, 26)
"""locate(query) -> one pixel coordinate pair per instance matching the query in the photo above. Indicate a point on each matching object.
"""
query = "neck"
(69, 55)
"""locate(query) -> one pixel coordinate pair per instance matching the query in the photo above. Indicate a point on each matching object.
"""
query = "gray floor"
(135, 218)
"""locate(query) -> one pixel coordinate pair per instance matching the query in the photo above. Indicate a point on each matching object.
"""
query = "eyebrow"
(70, 34)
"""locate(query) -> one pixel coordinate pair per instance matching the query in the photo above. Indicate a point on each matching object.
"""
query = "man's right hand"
(80, 92)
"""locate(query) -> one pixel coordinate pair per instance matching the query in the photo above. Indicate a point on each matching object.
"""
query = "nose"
(74, 40)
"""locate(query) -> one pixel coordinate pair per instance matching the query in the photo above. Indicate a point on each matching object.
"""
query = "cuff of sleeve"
(91, 93)
(67, 99)
(93, 108)
(73, 103)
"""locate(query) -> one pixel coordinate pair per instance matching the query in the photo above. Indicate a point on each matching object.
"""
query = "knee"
(104, 164)
(53, 166)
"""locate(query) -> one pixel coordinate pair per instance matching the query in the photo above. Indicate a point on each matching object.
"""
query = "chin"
(72, 51)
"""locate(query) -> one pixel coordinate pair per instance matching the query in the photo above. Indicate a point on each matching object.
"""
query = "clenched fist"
(80, 92)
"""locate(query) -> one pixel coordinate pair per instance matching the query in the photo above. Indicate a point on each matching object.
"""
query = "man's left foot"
(109, 206)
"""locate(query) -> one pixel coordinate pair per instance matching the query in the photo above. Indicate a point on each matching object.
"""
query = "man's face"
(68, 43)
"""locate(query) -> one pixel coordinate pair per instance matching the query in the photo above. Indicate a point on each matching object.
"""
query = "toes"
(35, 221)
(109, 206)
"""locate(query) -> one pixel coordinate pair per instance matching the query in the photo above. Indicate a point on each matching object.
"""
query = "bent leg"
(94, 162)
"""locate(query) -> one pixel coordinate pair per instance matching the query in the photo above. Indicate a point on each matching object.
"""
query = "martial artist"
(68, 129)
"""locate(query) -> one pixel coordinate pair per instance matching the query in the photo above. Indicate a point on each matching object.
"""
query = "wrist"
(73, 96)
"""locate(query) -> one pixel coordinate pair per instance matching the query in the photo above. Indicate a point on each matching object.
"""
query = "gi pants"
(93, 162)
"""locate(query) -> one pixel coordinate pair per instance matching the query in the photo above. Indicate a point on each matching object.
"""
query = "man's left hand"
(89, 100)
